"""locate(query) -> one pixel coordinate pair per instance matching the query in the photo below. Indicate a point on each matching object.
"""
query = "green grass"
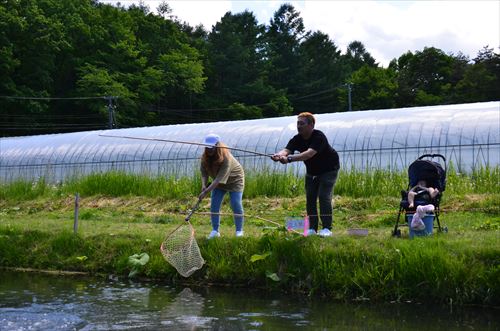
(351, 183)
(121, 215)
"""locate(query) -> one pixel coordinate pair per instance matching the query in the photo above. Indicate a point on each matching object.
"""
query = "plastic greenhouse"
(468, 135)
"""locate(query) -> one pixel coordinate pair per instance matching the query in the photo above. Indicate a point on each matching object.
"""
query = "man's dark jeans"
(320, 186)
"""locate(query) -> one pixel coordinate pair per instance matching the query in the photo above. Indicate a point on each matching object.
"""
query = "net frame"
(180, 249)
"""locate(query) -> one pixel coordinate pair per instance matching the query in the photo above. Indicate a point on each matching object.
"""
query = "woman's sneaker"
(239, 233)
(325, 233)
(213, 234)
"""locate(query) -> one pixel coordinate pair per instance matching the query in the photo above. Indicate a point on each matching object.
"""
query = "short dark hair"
(309, 116)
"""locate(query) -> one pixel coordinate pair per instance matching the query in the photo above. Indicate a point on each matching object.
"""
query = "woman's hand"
(203, 193)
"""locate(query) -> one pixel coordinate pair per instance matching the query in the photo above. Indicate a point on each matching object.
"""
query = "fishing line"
(248, 216)
(186, 143)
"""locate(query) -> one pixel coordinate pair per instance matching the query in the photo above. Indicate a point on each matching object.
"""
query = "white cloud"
(194, 12)
(388, 30)
(205, 12)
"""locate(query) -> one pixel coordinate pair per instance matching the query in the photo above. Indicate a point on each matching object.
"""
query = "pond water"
(35, 301)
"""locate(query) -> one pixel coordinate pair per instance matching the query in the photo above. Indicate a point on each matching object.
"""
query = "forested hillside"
(72, 65)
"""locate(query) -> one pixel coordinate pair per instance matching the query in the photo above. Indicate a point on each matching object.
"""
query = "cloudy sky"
(386, 28)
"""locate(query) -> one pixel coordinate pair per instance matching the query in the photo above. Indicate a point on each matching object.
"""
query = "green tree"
(424, 78)
(235, 58)
(240, 111)
(31, 41)
(284, 34)
(373, 88)
(322, 72)
(481, 80)
(357, 56)
(278, 106)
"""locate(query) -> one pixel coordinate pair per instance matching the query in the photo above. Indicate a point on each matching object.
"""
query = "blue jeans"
(321, 187)
(236, 205)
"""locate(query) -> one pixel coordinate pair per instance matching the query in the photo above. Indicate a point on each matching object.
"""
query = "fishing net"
(181, 250)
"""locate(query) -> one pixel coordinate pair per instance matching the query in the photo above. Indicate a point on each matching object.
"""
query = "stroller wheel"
(445, 229)
(396, 233)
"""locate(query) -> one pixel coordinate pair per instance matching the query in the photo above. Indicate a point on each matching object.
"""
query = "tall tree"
(235, 58)
(373, 88)
(481, 80)
(357, 56)
(322, 72)
(424, 78)
(284, 34)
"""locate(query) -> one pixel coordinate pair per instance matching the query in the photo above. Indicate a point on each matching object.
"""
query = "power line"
(55, 98)
(38, 128)
(49, 116)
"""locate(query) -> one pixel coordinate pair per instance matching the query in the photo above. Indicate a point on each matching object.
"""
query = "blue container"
(429, 226)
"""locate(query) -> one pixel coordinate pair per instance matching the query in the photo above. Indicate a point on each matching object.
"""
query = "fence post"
(77, 205)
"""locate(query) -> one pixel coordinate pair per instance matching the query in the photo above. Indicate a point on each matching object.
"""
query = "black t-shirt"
(326, 159)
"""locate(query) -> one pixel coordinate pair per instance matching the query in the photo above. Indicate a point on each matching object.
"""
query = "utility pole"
(111, 115)
(349, 96)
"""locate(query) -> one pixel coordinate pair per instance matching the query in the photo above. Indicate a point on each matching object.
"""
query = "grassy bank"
(461, 267)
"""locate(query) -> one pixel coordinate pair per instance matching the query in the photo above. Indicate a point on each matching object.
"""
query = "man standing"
(322, 166)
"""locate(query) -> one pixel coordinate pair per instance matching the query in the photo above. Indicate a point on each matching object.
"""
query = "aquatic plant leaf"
(137, 260)
(257, 257)
(273, 276)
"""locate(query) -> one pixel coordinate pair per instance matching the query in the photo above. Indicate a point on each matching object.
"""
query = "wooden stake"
(77, 205)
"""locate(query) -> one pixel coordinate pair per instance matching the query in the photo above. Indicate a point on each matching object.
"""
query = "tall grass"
(483, 180)
(122, 184)
(24, 190)
(272, 184)
(357, 184)
(350, 183)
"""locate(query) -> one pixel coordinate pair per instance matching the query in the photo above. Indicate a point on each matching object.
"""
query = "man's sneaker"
(311, 232)
(418, 225)
(213, 234)
(325, 233)
(239, 233)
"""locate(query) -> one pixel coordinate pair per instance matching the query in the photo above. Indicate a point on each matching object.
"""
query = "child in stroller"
(427, 182)
(421, 189)
(426, 194)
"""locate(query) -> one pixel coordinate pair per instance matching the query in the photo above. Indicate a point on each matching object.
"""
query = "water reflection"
(186, 312)
(45, 302)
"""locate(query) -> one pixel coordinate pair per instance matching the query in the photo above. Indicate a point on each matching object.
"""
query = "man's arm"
(305, 155)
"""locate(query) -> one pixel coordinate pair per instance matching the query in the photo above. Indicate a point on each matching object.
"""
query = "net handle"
(191, 212)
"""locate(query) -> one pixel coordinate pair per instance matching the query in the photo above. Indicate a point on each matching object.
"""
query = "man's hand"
(276, 157)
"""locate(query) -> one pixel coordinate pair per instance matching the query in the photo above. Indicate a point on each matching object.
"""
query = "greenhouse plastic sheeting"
(466, 134)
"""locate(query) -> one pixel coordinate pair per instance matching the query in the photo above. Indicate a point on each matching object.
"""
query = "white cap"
(211, 139)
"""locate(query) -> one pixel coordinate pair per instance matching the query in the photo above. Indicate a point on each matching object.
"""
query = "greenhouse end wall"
(468, 135)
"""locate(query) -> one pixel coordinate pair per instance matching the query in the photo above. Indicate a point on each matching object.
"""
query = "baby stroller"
(434, 173)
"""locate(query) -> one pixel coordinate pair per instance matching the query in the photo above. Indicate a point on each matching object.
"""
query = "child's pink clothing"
(416, 222)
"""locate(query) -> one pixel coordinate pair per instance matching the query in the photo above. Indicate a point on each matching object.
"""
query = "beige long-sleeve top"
(230, 175)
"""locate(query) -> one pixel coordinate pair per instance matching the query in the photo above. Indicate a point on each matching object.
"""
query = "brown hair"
(212, 163)
(309, 116)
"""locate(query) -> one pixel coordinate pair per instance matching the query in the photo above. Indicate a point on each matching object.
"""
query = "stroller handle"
(432, 155)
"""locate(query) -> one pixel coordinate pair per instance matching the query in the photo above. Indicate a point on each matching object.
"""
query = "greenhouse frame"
(468, 135)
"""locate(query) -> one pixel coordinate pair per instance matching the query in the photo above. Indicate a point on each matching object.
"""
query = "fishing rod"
(187, 143)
